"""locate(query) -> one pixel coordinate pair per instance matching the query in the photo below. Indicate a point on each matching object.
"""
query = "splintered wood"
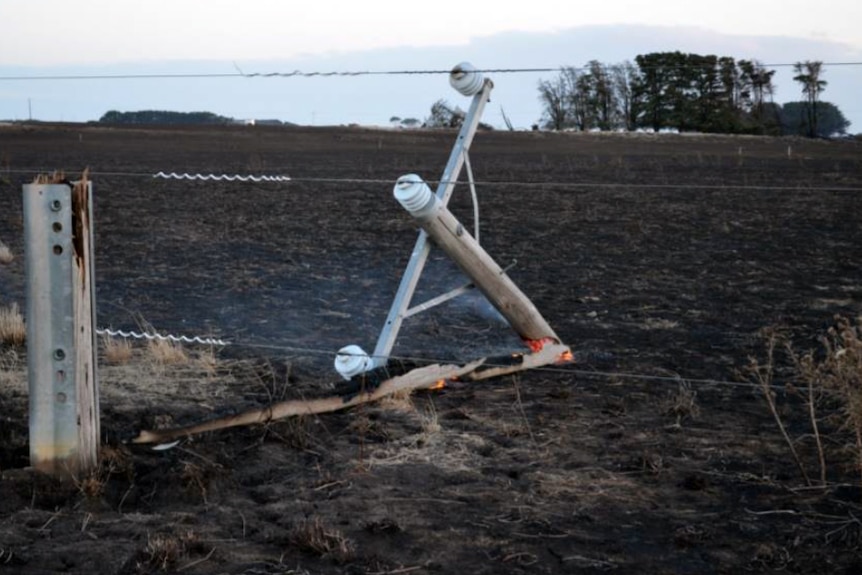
(421, 378)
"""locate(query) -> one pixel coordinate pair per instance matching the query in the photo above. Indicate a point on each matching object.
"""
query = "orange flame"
(439, 384)
(565, 357)
(536, 345)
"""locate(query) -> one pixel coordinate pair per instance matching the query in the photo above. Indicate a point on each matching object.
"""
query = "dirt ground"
(658, 259)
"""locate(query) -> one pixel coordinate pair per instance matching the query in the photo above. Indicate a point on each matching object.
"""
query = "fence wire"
(285, 179)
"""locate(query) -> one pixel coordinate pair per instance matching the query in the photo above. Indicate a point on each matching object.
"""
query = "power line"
(340, 74)
(544, 369)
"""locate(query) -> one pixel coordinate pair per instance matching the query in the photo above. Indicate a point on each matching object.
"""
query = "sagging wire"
(309, 351)
(542, 369)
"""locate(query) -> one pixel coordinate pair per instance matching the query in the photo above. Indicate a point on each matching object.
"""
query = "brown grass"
(116, 350)
(167, 352)
(12, 328)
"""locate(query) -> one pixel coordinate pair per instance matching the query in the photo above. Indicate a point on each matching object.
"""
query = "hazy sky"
(51, 32)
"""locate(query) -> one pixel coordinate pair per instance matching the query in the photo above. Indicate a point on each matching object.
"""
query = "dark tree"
(830, 121)
(808, 75)
(554, 96)
(623, 78)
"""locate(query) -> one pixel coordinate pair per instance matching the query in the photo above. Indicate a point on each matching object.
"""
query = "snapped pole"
(61, 345)
(448, 233)
(421, 250)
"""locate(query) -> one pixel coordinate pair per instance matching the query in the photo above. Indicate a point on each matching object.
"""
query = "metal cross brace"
(398, 312)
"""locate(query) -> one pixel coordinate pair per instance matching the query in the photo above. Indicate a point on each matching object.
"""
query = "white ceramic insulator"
(414, 195)
(351, 361)
(466, 79)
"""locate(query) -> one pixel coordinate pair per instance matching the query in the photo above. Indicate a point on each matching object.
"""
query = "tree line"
(686, 92)
(163, 117)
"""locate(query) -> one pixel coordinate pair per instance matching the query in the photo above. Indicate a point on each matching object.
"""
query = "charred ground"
(663, 256)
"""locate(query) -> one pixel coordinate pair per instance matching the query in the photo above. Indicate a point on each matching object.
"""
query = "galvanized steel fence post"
(61, 346)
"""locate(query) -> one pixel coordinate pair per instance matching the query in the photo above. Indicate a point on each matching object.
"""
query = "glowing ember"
(440, 384)
(565, 357)
(536, 345)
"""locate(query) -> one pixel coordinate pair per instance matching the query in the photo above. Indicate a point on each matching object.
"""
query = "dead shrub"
(313, 537)
(12, 329)
(838, 374)
(828, 382)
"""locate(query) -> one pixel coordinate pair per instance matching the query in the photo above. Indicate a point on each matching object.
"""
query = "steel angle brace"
(399, 310)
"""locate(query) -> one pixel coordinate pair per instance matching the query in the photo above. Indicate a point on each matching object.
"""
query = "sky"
(39, 37)
(106, 31)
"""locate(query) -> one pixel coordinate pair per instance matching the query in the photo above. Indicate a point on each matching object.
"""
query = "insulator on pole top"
(466, 79)
(413, 194)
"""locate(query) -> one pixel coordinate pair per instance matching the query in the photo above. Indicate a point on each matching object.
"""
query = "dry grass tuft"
(167, 352)
(112, 461)
(164, 550)
(12, 369)
(401, 400)
(315, 538)
(12, 328)
(206, 361)
(430, 422)
(116, 350)
(6, 256)
(682, 404)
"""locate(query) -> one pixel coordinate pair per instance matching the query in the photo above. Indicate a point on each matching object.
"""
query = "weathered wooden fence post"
(61, 345)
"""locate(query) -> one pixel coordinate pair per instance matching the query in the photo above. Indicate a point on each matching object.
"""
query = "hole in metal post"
(56, 205)
(57, 227)
(61, 397)
(58, 250)
(59, 354)
(61, 376)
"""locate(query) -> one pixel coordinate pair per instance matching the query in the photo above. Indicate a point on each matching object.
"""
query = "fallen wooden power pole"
(439, 223)
(420, 378)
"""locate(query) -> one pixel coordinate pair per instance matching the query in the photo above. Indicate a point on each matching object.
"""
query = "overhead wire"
(340, 74)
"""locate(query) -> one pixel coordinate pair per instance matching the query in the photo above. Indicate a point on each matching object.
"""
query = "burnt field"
(662, 261)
